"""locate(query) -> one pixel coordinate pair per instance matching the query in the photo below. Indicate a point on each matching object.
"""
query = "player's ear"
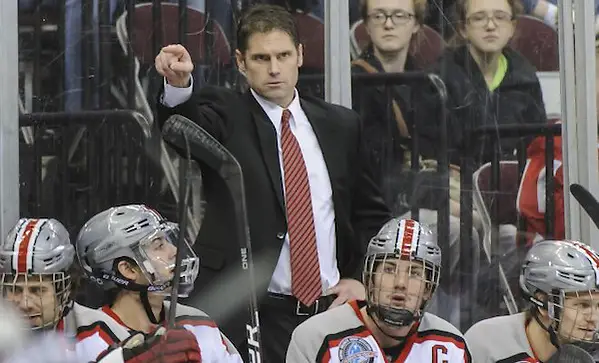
(128, 270)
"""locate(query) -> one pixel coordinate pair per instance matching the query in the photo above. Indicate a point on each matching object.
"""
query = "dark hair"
(263, 18)
(420, 8)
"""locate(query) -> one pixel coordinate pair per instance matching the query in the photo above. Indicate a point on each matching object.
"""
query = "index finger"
(177, 49)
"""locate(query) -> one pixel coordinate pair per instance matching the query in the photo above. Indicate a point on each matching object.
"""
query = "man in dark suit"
(312, 204)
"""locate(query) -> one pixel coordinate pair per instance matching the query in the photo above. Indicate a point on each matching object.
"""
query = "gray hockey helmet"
(560, 269)
(398, 304)
(37, 251)
(141, 234)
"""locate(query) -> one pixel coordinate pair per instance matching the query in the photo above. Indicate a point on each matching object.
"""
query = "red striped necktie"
(305, 269)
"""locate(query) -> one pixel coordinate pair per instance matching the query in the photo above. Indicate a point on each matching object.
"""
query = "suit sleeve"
(207, 108)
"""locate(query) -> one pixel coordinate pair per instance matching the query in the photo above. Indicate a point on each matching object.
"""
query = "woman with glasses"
(488, 84)
(390, 24)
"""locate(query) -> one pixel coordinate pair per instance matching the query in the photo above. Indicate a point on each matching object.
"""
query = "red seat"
(196, 30)
(426, 45)
(311, 35)
(538, 42)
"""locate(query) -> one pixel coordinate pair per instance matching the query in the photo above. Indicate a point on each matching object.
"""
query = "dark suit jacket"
(240, 124)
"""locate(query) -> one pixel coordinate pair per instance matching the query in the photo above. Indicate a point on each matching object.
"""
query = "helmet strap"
(549, 329)
(373, 312)
(145, 302)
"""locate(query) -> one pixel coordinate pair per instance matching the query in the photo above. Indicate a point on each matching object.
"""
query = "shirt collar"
(275, 111)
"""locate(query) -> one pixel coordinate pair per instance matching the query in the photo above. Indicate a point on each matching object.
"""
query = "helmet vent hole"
(119, 213)
(571, 255)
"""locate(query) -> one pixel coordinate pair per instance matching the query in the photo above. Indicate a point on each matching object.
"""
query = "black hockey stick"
(203, 147)
(588, 202)
(184, 189)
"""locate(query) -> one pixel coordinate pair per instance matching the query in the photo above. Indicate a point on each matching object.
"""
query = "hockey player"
(130, 252)
(36, 263)
(560, 279)
(401, 273)
(37, 275)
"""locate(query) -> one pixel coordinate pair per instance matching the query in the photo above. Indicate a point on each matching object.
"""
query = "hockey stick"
(588, 202)
(184, 188)
(203, 147)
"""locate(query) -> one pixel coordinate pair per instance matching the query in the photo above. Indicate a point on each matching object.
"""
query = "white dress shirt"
(318, 179)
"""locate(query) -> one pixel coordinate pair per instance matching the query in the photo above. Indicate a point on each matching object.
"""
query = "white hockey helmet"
(141, 234)
(560, 269)
(409, 288)
(37, 251)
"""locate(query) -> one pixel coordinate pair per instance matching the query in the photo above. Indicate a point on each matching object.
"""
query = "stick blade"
(587, 201)
(204, 148)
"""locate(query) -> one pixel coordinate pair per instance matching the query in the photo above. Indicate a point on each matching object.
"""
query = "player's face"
(580, 317)
(271, 65)
(391, 24)
(35, 296)
(162, 254)
(401, 284)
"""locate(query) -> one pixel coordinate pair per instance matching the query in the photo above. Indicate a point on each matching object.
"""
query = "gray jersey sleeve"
(494, 339)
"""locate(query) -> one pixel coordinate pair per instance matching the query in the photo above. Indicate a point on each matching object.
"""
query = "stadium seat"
(538, 42)
(311, 34)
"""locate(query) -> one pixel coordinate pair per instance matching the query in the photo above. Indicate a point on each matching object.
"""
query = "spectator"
(532, 191)
(388, 122)
(487, 82)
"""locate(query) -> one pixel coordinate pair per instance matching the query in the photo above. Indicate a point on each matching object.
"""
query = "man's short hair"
(264, 18)
(420, 9)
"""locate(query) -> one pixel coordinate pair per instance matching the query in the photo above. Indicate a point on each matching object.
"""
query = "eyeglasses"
(397, 18)
(481, 19)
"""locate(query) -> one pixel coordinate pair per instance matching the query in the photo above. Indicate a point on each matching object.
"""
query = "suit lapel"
(267, 138)
(325, 130)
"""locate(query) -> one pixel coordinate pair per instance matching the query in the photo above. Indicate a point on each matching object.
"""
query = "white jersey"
(340, 335)
(500, 339)
(99, 329)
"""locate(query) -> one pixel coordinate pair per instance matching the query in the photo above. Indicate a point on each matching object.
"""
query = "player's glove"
(176, 345)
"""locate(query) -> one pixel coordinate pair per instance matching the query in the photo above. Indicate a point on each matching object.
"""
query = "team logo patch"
(356, 350)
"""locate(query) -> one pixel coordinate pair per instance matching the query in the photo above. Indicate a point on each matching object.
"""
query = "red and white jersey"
(99, 329)
(340, 335)
(531, 193)
(500, 339)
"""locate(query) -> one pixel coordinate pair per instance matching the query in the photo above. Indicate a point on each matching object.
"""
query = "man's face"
(401, 284)
(489, 25)
(271, 65)
(35, 296)
(162, 255)
(391, 24)
(580, 317)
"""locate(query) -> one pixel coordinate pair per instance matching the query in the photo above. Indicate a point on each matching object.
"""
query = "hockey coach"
(311, 200)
